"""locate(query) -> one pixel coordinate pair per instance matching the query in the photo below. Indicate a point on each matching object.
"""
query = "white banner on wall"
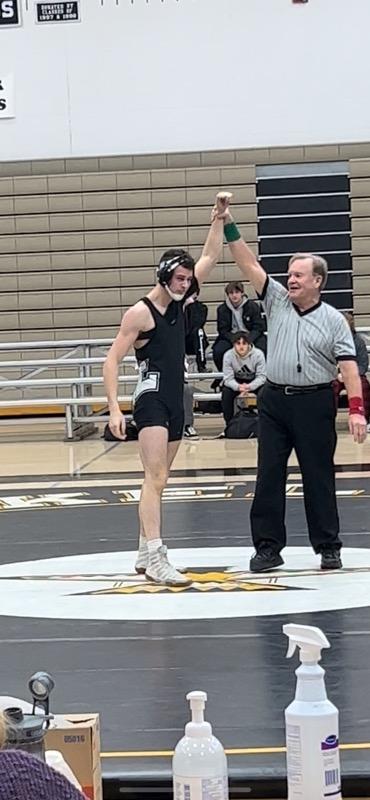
(7, 103)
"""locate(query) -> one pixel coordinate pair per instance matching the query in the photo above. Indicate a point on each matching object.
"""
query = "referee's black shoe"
(330, 558)
(265, 560)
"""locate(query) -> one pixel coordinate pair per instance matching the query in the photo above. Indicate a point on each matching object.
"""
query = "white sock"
(143, 544)
(154, 545)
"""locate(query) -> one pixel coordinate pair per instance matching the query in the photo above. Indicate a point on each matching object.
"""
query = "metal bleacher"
(82, 401)
(80, 404)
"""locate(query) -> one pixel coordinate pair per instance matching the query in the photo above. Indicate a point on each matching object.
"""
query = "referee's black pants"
(305, 423)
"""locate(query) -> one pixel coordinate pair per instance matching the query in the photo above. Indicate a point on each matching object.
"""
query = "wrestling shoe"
(159, 570)
(142, 560)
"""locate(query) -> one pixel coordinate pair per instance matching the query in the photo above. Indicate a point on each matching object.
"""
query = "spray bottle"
(311, 723)
(199, 762)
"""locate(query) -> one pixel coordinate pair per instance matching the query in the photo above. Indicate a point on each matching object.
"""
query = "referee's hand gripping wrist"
(221, 206)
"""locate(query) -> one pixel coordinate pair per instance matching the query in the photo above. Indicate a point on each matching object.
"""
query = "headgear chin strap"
(174, 295)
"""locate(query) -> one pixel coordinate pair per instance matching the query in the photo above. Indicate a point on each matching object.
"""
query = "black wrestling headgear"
(168, 263)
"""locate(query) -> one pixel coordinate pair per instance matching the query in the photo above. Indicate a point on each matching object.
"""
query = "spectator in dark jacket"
(196, 341)
(362, 358)
(237, 313)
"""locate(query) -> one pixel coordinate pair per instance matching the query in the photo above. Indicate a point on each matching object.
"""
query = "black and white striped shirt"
(303, 346)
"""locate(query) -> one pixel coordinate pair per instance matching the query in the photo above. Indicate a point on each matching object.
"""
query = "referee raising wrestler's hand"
(307, 339)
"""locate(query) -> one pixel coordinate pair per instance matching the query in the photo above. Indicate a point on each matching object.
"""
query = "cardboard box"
(77, 737)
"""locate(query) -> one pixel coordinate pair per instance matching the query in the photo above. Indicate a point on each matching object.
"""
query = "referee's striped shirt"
(303, 346)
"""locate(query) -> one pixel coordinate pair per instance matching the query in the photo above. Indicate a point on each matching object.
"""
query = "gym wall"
(154, 76)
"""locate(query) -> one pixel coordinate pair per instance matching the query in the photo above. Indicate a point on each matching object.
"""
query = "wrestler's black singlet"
(158, 397)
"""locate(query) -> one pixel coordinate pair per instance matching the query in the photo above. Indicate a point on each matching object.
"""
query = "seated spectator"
(237, 313)
(196, 341)
(24, 776)
(244, 369)
(362, 358)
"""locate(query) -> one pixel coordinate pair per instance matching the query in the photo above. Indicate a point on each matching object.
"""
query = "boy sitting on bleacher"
(244, 370)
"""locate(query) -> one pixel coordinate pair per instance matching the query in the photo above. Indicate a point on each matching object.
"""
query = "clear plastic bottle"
(199, 762)
(311, 723)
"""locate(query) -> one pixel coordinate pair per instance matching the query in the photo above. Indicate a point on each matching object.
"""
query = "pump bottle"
(199, 762)
(311, 721)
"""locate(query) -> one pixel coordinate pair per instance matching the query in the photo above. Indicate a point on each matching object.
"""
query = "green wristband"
(231, 232)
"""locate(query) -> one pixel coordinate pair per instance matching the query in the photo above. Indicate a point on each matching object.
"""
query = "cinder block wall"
(79, 239)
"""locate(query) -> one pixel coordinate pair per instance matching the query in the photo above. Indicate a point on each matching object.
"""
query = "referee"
(306, 340)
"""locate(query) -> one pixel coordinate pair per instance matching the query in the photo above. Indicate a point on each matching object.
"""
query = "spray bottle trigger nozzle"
(308, 639)
(291, 648)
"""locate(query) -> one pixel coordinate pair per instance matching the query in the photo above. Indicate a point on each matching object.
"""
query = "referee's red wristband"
(356, 406)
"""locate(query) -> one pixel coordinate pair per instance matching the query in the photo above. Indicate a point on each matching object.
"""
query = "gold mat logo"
(104, 586)
(203, 580)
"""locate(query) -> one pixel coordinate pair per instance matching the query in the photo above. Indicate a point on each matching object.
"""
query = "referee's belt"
(314, 387)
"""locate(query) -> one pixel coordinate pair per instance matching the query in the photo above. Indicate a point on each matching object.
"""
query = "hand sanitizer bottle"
(199, 762)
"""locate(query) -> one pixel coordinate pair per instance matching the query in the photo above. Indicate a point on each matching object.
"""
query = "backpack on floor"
(209, 407)
(243, 425)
